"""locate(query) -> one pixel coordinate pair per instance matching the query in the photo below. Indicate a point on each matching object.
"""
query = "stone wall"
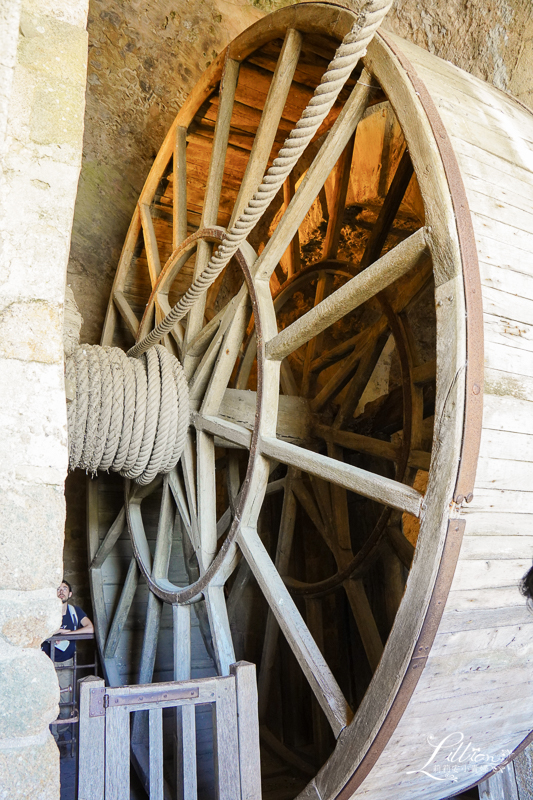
(43, 56)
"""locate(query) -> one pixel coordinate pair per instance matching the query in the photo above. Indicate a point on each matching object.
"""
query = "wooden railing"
(105, 747)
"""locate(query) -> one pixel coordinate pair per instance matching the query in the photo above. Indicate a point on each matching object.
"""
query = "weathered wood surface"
(501, 786)
(477, 680)
(91, 776)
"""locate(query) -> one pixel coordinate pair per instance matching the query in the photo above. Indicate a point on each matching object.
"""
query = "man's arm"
(86, 627)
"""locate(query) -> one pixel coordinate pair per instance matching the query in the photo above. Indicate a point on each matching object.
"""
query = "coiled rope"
(128, 415)
(351, 50)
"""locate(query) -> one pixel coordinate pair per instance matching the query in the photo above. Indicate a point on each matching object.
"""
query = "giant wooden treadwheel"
(276, 395)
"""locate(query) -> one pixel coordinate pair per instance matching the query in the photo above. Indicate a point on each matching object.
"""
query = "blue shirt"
(71, 622)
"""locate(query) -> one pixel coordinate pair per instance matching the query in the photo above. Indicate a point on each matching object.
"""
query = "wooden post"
(155, 726)
(186, 779)
(91, 744)
(226, 742)
(247, 729)
(117, 754)
(501, 786)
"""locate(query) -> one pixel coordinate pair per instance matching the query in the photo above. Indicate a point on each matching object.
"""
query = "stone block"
(31, 535)
(28, 618)
(31, 332)
(33, 419)
(31, 771)
(53, 48)
(29, 692)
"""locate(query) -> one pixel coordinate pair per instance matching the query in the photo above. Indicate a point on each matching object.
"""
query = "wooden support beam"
(283, 551)
(389, 209)
(357, 442)
(366, 284)
(314, 179)
(336, 211)
(179, 188)
(186, 778)
(91, 766)
(500, 786)
(213, 187)
(247, 730)
(376, 487)
(291, 259)
(150, 243)
(122, 610)
(155, 753)
(111, 538)
(309, 657)
(268, 126)
(126, 312)
(401, 546)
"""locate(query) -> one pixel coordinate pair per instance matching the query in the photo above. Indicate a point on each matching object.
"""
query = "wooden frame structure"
(457, 654)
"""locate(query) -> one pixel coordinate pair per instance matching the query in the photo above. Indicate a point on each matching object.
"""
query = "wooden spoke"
(291, 259)
(203, 371)
(122, 610)
(335, 531)
(284, 545)
(372, 447)
(214, 184)
(354, 588)
(188, 461)
(205, 481)
(317, 672)
(179, 170)
(220, 629)
(307, 502)
(389, 209)
(313, 181)
(150, 243)
(159, 570)
(402, 546)
(376, 487)
(425, 373)
(360, 381)
(367, 284)
(229, 351)
(225, 430)
(360, 363)
(406, 289)
(270, 118)
(126, 313)
(111, 538)
(336, 212)
(323, 289)
(356, 344)
(178, 492)
(198, 346)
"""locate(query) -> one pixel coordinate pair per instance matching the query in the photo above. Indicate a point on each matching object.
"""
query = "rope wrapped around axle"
(128, 415)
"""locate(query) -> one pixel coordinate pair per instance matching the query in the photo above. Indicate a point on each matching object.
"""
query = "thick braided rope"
(351, 50)
(128, 415)
(81, 400)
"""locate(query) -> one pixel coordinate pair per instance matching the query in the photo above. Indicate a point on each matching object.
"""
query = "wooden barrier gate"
(104, 736)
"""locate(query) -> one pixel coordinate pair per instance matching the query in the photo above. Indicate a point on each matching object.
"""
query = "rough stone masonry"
(43, 62)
